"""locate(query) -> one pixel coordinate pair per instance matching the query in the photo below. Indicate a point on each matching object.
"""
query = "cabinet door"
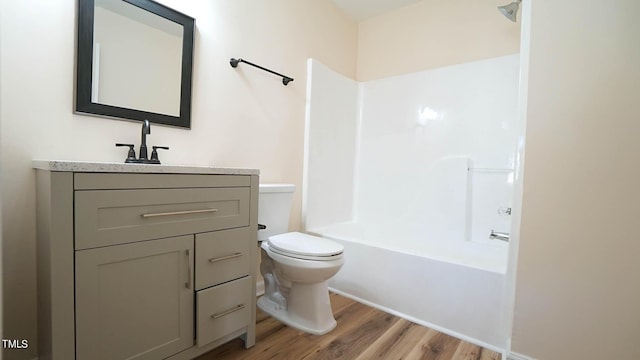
(135, 301)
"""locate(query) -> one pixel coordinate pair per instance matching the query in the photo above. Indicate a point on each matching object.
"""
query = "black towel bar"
(234, 63)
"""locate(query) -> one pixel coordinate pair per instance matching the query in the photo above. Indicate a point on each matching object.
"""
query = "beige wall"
(241, 117)
(577, 290)
(434, 33)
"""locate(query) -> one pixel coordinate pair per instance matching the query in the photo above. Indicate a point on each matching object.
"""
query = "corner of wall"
(512, 262)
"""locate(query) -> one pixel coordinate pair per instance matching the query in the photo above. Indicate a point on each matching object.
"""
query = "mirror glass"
(134, 61)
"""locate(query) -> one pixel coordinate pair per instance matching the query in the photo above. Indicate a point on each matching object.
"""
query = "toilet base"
(316, 319)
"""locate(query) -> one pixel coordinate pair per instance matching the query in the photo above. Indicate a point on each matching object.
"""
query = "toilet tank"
(274, 207)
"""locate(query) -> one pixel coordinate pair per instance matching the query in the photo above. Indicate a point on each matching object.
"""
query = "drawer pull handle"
(212, 260)
(185, 212)
(227, 312)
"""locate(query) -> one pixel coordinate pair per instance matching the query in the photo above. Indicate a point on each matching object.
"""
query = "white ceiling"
(363, 9)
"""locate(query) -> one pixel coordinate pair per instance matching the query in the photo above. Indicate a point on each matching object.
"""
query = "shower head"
(511, 10)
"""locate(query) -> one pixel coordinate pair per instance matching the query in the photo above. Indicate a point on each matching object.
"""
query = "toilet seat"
(307, 247)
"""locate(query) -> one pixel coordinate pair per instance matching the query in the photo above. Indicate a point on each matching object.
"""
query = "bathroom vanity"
(144, 261)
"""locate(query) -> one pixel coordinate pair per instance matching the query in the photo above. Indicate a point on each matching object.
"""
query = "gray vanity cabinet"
(144, 266)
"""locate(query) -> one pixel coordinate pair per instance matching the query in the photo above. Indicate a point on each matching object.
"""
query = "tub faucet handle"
(503, 236)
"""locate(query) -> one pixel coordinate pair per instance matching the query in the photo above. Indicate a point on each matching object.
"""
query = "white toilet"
(295, 266)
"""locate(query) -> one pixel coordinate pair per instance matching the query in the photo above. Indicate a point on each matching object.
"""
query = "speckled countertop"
(103, 167)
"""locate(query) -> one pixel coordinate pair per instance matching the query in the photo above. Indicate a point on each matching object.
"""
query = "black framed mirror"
(134, 61)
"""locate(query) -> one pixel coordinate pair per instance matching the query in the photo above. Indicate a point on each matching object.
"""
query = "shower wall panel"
(423, 158)
(330, 146)
(418, 129)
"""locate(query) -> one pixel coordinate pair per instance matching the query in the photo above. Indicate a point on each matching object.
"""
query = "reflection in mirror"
(136, 61)
(147, 77)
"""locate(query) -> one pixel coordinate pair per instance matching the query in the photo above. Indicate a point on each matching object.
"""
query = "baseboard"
(259, 288)
(424, 323)
(516, 356)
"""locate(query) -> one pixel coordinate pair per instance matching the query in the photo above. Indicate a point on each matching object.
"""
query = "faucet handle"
(131, 156)
(499, 235)
(154, 154)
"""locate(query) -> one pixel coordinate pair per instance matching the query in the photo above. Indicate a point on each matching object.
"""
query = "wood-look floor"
(362, 333)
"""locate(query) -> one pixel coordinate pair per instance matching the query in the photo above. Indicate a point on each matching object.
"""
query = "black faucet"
(146, 130)
(144, 158)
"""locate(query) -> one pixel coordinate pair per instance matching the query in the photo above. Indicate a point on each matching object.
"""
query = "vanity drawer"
(222, 256)
(110, 217)
(223, 309)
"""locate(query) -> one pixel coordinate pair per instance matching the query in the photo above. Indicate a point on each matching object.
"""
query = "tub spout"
(499, 235)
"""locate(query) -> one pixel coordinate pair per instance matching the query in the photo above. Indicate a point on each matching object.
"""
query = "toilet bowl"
(295, 268)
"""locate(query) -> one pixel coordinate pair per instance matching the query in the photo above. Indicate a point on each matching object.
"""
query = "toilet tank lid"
(276, 188)
(303, 244)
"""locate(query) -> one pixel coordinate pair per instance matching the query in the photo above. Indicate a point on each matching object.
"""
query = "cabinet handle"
(188, 283)
(185, 212)
(227, 312)
(212, 260)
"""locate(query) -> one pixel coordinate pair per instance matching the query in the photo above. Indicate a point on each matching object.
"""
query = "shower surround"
(411, 174)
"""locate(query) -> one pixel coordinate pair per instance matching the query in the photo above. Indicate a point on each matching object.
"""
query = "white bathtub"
(455, 294)
(479, 254)
(411, 173)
